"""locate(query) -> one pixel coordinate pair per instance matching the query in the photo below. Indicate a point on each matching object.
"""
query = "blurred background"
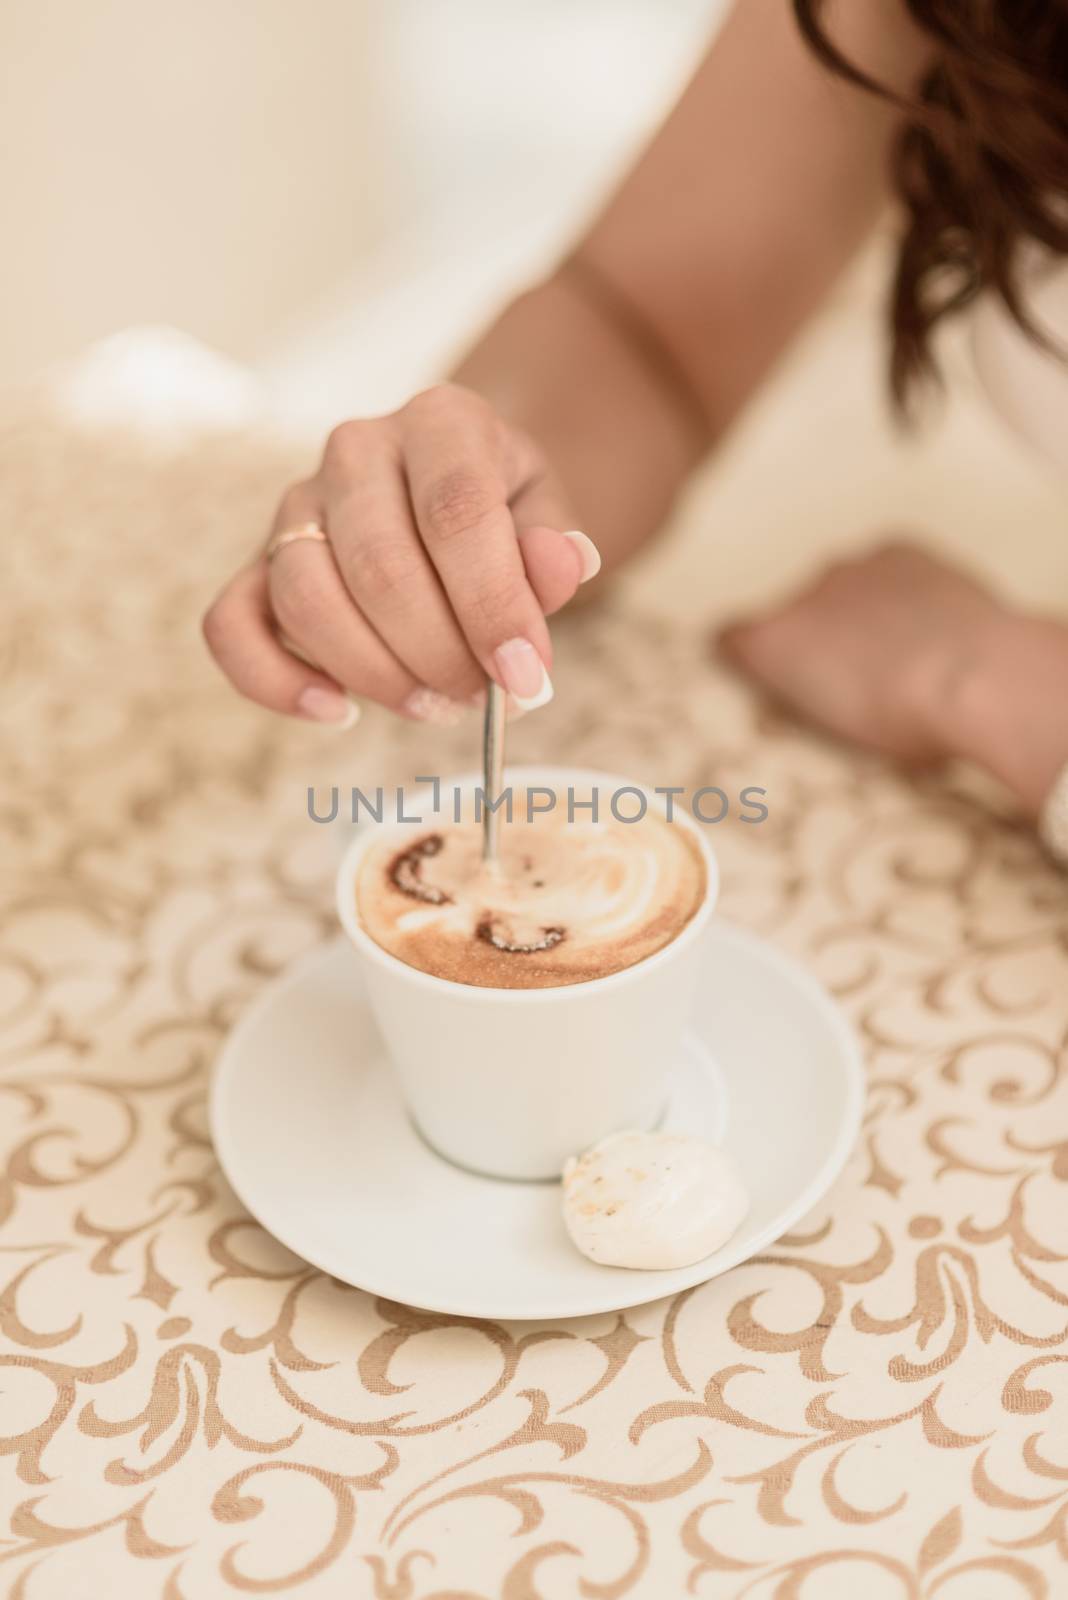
(332, 194)
(257, 213)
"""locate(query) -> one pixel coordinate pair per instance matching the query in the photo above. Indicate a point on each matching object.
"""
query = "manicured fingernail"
(426, 705)
(588, 554)
(328, 705)
(522, 673)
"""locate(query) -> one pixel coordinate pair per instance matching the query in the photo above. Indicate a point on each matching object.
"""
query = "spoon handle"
(492, 768)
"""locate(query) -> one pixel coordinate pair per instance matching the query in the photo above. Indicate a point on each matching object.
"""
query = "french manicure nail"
(426, 705)
(522, 673)
(588, 554)
(328, 705)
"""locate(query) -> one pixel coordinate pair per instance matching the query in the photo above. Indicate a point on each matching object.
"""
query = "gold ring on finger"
(306, 530)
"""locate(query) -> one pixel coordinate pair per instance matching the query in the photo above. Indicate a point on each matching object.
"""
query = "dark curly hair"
(981, 162)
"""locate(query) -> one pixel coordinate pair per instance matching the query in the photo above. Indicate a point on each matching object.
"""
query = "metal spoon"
(492, 770)
(490, 928)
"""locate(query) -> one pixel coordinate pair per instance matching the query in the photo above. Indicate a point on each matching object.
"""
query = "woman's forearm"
(715, 248)
(757, 191)
(618, 435)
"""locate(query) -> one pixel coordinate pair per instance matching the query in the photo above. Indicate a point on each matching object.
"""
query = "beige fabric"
(878, 1405)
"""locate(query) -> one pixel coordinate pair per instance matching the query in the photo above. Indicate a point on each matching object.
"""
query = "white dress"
(1028, 386)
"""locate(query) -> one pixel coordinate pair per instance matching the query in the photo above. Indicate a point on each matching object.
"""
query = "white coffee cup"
(510, 1082)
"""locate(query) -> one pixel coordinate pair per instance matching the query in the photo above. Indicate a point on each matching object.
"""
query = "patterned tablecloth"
(877, 1405)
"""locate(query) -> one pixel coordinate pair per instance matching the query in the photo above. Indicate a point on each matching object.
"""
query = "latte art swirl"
(567, 902)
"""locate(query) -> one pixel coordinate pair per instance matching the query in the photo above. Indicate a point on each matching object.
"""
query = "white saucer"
(312, 1135)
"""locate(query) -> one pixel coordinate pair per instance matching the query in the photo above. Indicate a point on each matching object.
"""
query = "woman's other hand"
(448, 543)
(911, 657)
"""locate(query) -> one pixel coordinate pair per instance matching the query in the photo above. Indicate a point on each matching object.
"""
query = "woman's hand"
(446, 551)
(872, 650)
(911, 657)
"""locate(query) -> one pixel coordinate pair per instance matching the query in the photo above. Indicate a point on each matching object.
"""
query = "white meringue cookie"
(652, 1200)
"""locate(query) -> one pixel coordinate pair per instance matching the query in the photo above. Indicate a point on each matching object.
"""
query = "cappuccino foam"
(567, 902)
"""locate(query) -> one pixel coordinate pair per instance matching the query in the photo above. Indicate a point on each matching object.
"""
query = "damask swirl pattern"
(878, 1405)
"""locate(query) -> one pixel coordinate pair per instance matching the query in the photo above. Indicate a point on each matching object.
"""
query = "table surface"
(878, 1404)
